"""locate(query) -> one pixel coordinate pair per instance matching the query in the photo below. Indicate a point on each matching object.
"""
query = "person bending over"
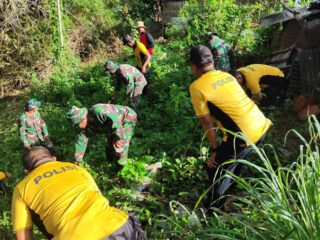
(64, 201)
(267, 84)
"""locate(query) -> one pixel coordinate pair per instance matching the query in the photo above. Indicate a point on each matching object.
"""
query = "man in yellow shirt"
(217, 95)
(67, 200)
(141, 54)
(266, 84)
(4, 175)
(4, 187)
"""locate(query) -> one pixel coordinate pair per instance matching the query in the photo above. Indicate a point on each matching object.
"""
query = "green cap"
(76, 115)
(32, 104)
(110, 66)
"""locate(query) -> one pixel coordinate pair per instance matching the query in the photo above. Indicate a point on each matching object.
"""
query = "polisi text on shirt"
(221, 82)
(52, 172)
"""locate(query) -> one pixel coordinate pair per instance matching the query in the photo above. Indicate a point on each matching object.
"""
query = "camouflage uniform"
(102, 117)
(33, 130)
(220, 51)
(132, 77)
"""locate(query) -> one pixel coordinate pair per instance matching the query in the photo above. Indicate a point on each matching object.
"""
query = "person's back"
(255, 72)
(68, 202)
(100, 113)
(267, 84)
(127, 71)
(140, 53)
(220, 94)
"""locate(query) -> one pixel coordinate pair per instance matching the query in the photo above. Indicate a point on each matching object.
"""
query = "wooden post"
(60, 23)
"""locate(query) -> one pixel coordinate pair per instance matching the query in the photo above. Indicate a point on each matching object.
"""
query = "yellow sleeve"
(3, 176)
(20, 213)
(252, 82)
(142, 48)
(199, 102)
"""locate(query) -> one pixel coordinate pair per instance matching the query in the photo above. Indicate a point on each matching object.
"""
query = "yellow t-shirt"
(140, 52)
(253, 74)
(2, 176)
(68, 201)
(219, 94)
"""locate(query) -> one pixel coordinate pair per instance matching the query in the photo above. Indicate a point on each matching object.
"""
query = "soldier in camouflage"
(32, 128)
(129, 75)
(221, 51)
(103, 118)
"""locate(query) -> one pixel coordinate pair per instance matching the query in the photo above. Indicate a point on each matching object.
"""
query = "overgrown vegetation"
(29, 36)
(283, 194)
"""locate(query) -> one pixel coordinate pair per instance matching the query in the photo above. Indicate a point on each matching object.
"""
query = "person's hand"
(28, 146)
(212, 163)
(76, 162)
(118, 144)
(8, 175)
(143, 69)
(264, 95)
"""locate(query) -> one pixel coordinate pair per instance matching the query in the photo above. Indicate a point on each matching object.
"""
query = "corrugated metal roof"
(282, 59)
(284, 16)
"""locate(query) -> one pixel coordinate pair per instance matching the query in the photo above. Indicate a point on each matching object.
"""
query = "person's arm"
(22, 131)
(44, 127)
(148, 58)
(81, 147)
(131, 84)
(203, 113)
(3, 176)
(21, 217)
(24, 235)
(208, 127)
(257, 97)
(150, 41)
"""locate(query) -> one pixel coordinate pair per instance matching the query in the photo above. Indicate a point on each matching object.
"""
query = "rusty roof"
(286, 15)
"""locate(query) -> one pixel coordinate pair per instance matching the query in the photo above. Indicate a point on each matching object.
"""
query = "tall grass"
(282, 201)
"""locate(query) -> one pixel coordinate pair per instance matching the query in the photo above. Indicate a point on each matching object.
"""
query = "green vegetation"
(281, 182)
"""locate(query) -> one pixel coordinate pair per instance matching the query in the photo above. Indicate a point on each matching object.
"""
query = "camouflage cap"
(32, 104)
(76, 115)
(211, 33)
(110, 66)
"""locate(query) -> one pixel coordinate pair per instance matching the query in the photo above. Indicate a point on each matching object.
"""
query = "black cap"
(200, 56)
(127, 38)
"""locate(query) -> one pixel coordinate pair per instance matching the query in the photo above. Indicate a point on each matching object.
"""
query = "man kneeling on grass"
(63, 200)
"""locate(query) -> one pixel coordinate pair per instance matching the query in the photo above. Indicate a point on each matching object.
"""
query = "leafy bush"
(233, 22)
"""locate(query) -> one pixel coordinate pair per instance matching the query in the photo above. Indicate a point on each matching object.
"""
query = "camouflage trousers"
(134, 102)
(135, 95)
(124, 137)
(222, 63)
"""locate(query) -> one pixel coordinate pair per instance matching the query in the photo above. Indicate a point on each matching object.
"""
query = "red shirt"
(145, 39)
